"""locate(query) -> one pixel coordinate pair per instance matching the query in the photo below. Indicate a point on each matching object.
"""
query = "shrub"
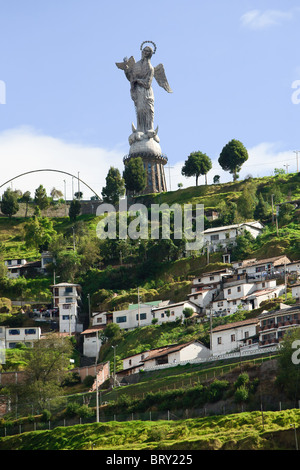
(216, 390)
(241, 394)
(242, 380)
(46, 416)
(88, 381)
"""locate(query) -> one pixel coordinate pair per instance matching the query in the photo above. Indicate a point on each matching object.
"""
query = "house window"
(130, 362)
(214, 237)
(143, 316)
(173, 313)
(229, 291)
(219, 340)
(66, 306)
(234, 302)
(246, 334)
(69, 290)
(69, 300)
(220, 304)
(121, 319)
(65, 317)
(99, 320)
(263, 284)
(239, 289)
(162, 315)
(232, 338)
(211, 278)
(13, 332)
(30, 331)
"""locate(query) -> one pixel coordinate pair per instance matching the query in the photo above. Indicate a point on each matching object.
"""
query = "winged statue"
(140, 75)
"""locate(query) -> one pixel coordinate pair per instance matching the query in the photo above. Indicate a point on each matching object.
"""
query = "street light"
(89, 301)
(114, 348)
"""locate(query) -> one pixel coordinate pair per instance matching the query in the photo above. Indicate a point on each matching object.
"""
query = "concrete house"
(174, 311)
(91, 341)
(66, 297)
(274, 325)
(14, 267)
(257, 268)
(233, 336)
(172, 354)
(223, 236)
(10, 337)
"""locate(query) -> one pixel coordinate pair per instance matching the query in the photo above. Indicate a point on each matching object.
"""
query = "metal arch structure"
(49, 169)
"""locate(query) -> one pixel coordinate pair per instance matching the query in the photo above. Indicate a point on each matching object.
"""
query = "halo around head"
(147, 42)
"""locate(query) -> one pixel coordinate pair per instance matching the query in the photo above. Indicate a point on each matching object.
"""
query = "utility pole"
(89, 301)
(169, 168)
(114, 348)
(287, 167)
(296, 152)
(138, 306)
(272, 198)
(97, 392)
(65, 198)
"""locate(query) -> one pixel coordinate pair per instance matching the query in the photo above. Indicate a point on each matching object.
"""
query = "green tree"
(232, 157)
(135, 175)
(56, 193)
(243, 246)
(9, 203)
(261, 211)
(197, 164)
(115, 187)
(247, 203)
(26, 198)
(40, 198)
(227, 212)
(288, 375)
(216, 179)
(38, 233)
(47, 364)
(285, 214)
(74, 210)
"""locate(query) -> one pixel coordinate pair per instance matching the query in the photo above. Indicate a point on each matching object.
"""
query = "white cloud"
(24, 149)
(257, 19)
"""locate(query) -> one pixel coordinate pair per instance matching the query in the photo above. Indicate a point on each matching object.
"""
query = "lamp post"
(114, 348)
(89, 301)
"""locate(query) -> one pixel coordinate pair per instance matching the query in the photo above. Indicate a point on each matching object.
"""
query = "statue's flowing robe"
(140, 76)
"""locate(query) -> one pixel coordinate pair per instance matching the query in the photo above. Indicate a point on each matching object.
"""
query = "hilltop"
(161, 269)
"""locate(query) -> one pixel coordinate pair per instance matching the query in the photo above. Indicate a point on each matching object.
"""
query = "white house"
(14, 267)
(222, 236)
(91, 341)
(172, 354)
(296, 291)
(256, 268)
(66, 297)
(10, 337)
(99, 319)
(177, 354)
(247, 295)
(233, 336)
(173, 312)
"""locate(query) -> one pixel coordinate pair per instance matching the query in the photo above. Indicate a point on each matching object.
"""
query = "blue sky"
(231, 65)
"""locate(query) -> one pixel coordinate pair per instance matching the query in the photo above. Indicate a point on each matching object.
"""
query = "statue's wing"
(160, 77)
(126, 64)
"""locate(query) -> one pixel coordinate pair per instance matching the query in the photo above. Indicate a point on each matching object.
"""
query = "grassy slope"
(243, 431)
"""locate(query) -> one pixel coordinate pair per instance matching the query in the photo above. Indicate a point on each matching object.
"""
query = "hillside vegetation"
(243, 431)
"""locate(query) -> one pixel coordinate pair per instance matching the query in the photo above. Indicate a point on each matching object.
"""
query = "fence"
(168, 415)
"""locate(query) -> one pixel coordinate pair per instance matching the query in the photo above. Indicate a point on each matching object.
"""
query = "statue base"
(147, 147)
